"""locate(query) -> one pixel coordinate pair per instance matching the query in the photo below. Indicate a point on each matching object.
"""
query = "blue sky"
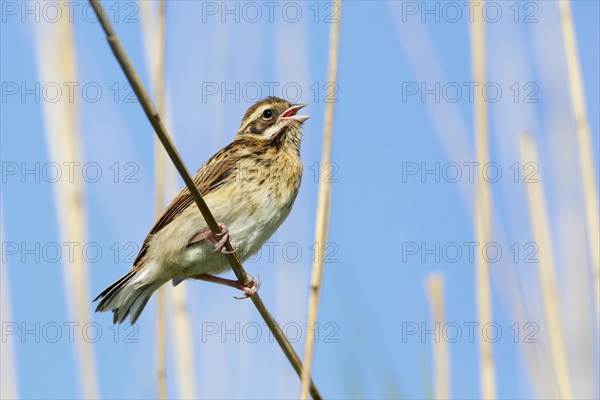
(381, 209)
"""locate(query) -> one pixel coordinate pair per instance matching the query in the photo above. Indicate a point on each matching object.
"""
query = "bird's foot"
(223, 238)
(249, 287)
(219, 241)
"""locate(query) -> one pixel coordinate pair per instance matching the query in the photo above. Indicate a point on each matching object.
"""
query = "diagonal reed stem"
(323, 210)
(584, 142)
(540, 226)
(163, 135)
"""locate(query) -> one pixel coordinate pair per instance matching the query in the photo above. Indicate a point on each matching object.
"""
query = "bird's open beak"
(290, 114)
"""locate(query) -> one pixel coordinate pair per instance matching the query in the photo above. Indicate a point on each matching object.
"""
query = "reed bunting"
(250, 187)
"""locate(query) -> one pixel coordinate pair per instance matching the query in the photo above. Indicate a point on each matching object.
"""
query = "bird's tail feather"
(127, 296)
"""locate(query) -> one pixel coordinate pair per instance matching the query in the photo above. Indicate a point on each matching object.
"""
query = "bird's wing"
(208, 178)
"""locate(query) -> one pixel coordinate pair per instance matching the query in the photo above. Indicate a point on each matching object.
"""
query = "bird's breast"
(259, 203)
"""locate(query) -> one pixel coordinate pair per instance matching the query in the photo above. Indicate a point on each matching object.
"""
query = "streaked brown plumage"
(250, 187)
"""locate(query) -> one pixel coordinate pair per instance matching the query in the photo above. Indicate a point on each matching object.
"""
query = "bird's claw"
(250, 288)
(223, 239)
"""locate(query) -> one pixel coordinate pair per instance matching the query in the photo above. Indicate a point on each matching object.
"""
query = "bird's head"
(275, 120)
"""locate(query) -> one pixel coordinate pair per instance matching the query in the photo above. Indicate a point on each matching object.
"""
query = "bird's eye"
(267, 114)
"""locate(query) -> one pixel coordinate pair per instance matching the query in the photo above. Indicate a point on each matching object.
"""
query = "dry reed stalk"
(161, 344)
(323, 211)
(181, 324)
(183, 345)
(8, 366)
(547, 270)
(483, 209)
(159, 174)
(435, 293)
(167, 299)
(586, 149)
(161, 131)
(57, 63)
(531, 354)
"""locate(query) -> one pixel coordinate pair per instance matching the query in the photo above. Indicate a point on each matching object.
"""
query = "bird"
(250, 187)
